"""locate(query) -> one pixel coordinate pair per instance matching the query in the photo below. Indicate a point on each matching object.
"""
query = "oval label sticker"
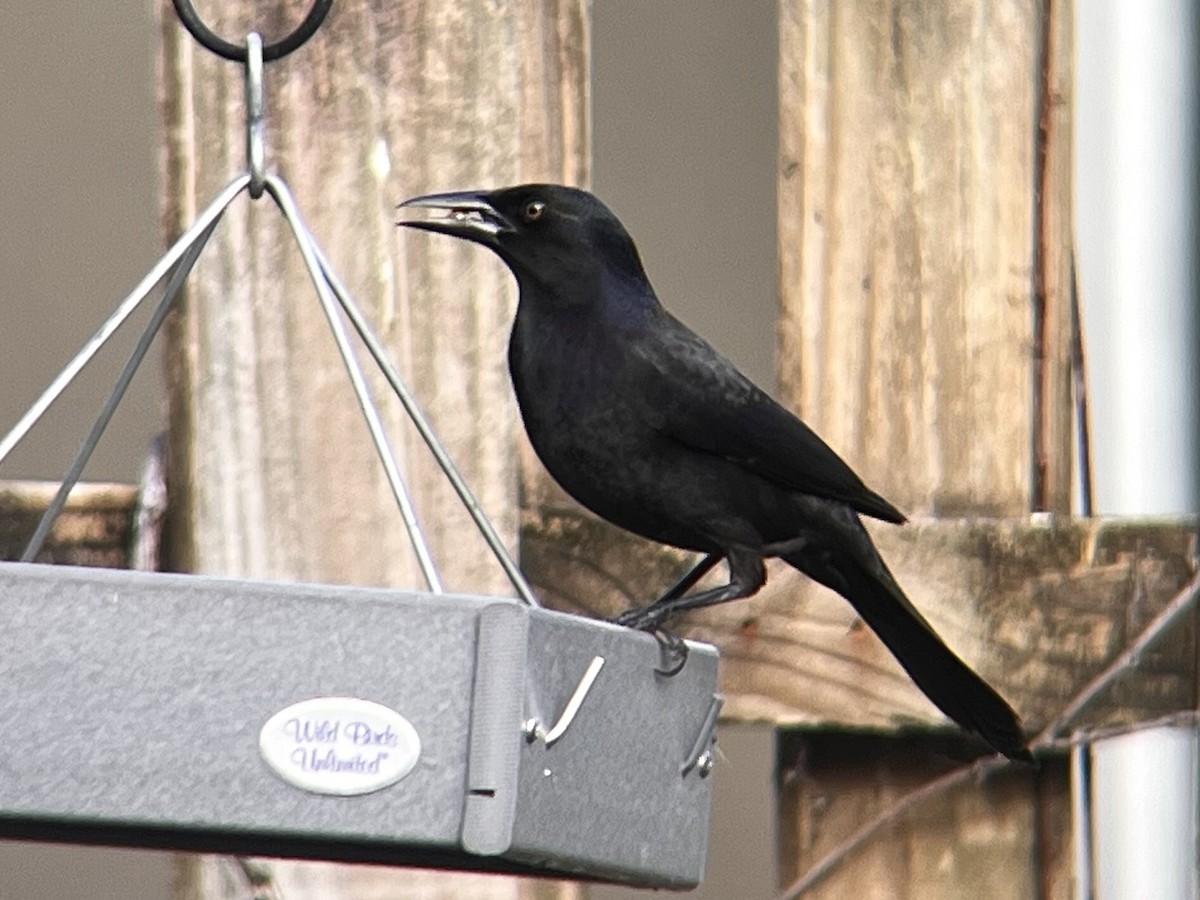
(339, 745)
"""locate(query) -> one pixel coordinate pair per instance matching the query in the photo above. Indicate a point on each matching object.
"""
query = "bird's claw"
(645, 619)
(674, 648)
(674, 652)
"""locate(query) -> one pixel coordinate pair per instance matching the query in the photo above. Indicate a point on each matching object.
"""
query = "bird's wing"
(699, 398)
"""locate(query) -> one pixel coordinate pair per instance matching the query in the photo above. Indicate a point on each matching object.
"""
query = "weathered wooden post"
(925, 253)
(271, 472)
(925, 243)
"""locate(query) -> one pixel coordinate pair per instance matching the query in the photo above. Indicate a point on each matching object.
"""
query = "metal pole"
(1081, 820)
(1144, 789)
(1135, 176)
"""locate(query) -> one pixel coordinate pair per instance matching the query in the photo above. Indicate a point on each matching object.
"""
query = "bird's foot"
(643, 619)
(674, 648)
(674, 652)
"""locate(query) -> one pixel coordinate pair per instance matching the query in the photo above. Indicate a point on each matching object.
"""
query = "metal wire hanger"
(177, 263)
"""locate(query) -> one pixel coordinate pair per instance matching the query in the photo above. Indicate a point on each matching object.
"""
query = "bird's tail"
(944, 678)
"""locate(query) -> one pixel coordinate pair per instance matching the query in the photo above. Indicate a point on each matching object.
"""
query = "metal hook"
(256, 152)
(533, 728)
(210, 40)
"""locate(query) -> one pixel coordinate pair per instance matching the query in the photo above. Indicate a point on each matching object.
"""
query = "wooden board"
(1003, 838)
(1038, 608)
(95, 528)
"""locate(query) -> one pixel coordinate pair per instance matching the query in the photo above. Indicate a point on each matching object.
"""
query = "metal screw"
(532, 729)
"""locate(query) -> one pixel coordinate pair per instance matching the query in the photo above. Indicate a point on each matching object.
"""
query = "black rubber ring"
(237, 52)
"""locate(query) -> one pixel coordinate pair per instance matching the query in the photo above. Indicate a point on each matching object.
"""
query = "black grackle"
(648, 426)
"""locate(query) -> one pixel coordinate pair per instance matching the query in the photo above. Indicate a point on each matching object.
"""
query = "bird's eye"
(533, 210)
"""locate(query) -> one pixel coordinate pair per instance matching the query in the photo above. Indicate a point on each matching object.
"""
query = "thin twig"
(1083, 428)
(1050, 737)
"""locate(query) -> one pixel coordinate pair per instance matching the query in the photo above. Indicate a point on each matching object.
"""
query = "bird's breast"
(564, 376)
(581, 416)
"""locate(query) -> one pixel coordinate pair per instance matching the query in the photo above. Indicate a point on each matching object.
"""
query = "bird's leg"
(746, 575)
(688, 581)
(677, 590)
(673, 648)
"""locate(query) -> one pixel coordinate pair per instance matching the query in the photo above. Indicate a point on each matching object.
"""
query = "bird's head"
(549, 235)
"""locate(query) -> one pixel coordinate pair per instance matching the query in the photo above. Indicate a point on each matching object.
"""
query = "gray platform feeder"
(464, 732)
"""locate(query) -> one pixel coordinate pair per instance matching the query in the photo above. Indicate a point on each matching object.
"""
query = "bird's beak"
(463, 214)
